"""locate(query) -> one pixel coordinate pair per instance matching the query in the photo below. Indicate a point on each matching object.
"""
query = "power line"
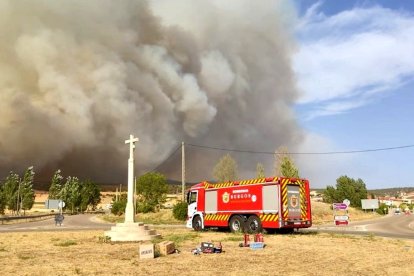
(272, 153)
(165, 160)
(303, 153)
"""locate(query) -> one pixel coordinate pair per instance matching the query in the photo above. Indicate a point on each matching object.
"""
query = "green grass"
(180, 238)
(66, 243)
(157, 218)
(234, 238)
(370, 237)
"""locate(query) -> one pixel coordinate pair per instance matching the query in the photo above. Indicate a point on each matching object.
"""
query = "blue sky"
(355, 70)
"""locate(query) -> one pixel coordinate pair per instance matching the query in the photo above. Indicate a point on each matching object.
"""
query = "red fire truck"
(277, 204)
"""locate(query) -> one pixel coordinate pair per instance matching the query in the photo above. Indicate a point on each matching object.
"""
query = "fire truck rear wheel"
(236, 224)
(197, 224)
(254, 225)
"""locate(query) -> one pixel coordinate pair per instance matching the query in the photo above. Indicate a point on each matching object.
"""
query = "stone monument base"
(131, 231)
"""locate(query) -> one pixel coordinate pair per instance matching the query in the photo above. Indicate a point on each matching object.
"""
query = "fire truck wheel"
(236, 224)
(253, 225)
(197, 224)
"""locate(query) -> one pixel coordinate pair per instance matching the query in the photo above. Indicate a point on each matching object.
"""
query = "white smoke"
(76, 78)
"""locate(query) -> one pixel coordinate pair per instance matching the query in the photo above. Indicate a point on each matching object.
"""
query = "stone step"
(131, 232)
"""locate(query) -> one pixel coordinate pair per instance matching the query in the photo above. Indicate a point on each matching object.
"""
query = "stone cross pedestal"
(131, 230)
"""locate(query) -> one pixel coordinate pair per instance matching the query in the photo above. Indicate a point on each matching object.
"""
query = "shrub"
(144, 207)
(382, 209)
(180, 211)
(118, 207)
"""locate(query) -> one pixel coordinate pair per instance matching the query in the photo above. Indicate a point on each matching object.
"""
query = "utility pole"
(182, 171)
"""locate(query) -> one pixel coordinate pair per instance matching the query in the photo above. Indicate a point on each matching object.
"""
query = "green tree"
(55, 185)
(71, 193)
(403, 206)
(152, 191)
(226, 169)
(27, 194)
(90, 195)
(2, 199)
(285, 166)
(260, 171)
(346, 188)
(11, 190)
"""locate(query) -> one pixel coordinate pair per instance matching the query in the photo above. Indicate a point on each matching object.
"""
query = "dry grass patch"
(297, 254)
(322, 213)
(164, 216)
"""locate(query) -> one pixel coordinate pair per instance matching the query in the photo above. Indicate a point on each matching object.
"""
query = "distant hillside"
(391, 191)
(382, 192)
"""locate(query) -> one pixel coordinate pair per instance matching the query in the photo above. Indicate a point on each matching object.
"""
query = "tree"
(11, 190)
(27, 194)
(346, 188)
(260, 172)
(90, 195)
(2, 199)
(71, 193)
(285, 166)
(226, 169)
(55, 185)
(152, 189)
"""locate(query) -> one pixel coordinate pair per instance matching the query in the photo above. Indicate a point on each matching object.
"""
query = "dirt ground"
(85, 253)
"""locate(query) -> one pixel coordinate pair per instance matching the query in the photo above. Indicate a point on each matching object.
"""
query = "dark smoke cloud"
(77, 77)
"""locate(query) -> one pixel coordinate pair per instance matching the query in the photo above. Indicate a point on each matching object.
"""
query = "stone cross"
(130, 210)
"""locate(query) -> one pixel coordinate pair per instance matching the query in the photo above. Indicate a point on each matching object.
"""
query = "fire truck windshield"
(191, 197)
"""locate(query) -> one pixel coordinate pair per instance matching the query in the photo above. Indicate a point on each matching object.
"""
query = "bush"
(382, 209)
(144, 207)
(118, 207)
(180, 211)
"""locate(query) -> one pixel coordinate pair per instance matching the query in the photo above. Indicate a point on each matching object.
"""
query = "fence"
(25, 218)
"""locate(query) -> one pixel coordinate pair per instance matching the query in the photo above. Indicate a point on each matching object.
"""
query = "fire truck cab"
(275, 204)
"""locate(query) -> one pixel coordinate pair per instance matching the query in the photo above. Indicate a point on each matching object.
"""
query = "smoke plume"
(77, 77)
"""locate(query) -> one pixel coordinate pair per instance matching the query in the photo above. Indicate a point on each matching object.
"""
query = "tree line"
(17, 193)
(77, 195)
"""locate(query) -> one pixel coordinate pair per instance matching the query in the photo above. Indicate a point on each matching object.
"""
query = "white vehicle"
(397, 211)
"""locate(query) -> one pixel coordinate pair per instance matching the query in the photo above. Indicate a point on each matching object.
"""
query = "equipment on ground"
(258, 238)
(208, 247)
(275, 204)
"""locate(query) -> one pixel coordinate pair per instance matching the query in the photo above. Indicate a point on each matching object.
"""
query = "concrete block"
(166, 247)
(146, 251)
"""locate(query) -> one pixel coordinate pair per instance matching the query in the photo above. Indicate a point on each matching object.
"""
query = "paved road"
(75, 222)
(393, 226)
